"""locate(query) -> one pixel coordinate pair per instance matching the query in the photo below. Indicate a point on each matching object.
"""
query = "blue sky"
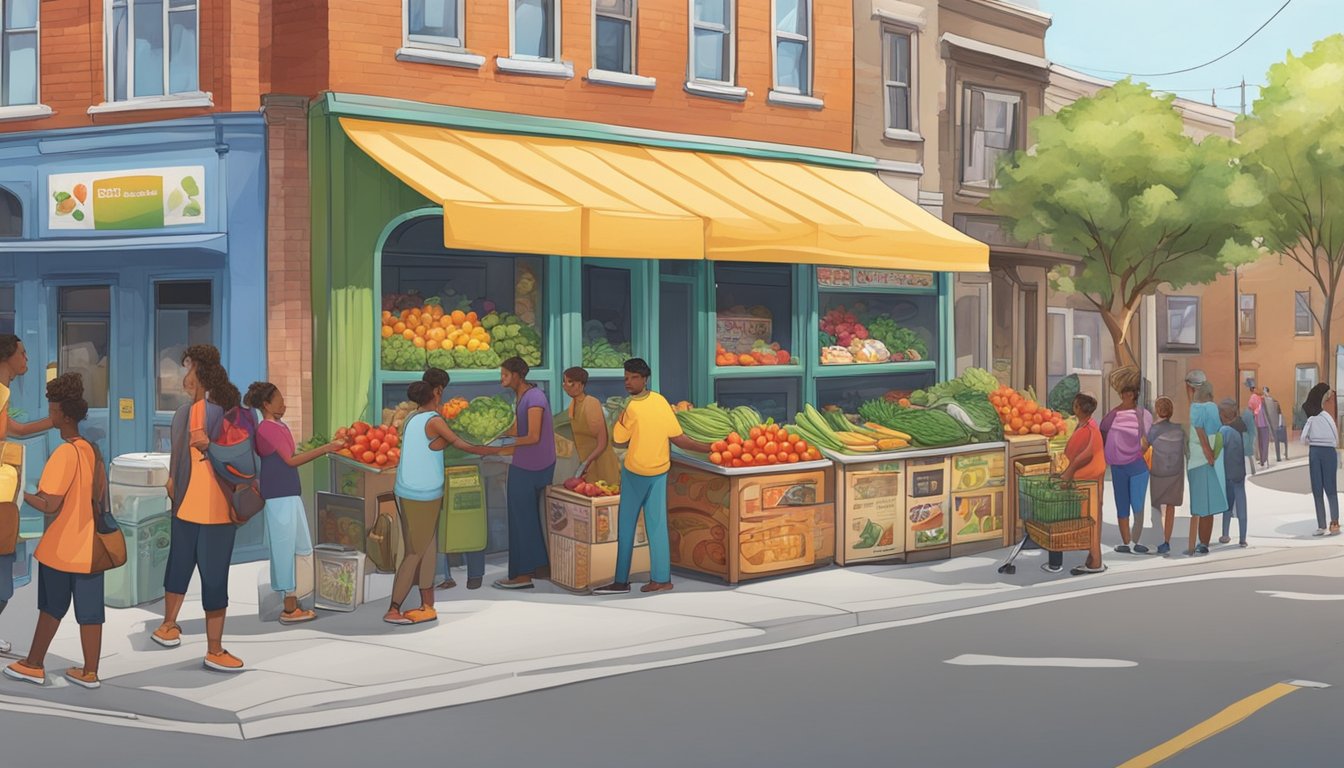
(1141, 36)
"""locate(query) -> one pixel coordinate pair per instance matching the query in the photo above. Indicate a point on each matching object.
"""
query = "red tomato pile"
(367, 444)
(766, 444)
(1021, 416)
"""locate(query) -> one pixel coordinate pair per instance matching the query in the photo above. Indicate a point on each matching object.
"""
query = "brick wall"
(289, 319)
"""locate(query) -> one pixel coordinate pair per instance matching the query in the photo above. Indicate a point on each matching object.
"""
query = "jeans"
(1262, 440)
(650, 494)
(1324, 465)
(527, 540)
(475, 565)
(1236, 504)
(1130, 485)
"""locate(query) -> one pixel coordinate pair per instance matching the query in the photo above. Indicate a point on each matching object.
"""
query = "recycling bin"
(138, 489)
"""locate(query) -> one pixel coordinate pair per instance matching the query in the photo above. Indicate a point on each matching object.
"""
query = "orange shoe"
(422, 614)
(223, 662)
(167, 635)
(24, 673)
(83, 679)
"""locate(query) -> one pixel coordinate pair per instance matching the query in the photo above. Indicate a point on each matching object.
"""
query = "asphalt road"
(883, 698)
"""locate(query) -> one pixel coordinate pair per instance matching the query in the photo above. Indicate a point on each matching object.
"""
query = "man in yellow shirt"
(647, 425)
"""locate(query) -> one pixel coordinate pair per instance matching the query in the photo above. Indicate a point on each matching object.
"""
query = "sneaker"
(474, 582)
(396, 617)
(1048, 568)
(656, 586)
(83, 679)
(1124, 549)
(1202, 549)
(1224, 539)
(1084, 569)
(223, 662)
(1140, 549)
(297, 617)
(423, 614)
(1320, 532)
(24, 673)
(521, 582)
(5, 647)
(1243, 545)
(168, 635)
(1164, 549)
(615, 588)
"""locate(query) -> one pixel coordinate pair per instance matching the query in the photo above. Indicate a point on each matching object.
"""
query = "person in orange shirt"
(202, 529)
(65, 555)
(1087, 462)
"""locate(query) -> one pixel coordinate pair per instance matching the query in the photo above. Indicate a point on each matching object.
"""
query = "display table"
(749, 523)
(583, 532)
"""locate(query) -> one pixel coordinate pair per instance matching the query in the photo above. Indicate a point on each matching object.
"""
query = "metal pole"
(1236, 334)
(1243, 95)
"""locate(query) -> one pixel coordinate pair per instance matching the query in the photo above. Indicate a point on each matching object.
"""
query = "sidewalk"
(347, 668)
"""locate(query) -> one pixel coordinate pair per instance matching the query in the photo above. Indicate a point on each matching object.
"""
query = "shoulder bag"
(109, 543)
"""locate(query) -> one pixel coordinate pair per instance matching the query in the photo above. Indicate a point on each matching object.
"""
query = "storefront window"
(182, 317)
(878, 327)
(676, 307)
(849, 392)
(606, 317)
(457, 310)
(754, 303)
(85, 328)
(6, 309)
(395, 394)
(774, 398)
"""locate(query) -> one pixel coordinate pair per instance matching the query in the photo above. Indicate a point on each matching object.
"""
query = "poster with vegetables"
(874, 515)
(127, 200)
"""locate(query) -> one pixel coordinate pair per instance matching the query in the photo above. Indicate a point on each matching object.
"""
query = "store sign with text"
(132, 199)
(839, 277)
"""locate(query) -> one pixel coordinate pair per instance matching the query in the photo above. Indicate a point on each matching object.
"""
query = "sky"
(1106, 37)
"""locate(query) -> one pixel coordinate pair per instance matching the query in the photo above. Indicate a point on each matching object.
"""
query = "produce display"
(846, 337)
(483, 420)
(712, 424)
(1062, 394)
(762, 353)
(596, 490)
(336, 581)
(832, 431)
(373, 446)
(511, 336)
(316, 441)
(428, 335)
(1022, 415)
(927, 427)
(972, 380)
(454, 407)
(603, 354)
(764, 445)
(904, 343)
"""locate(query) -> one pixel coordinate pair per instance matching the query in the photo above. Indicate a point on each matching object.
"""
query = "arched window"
(11, 214)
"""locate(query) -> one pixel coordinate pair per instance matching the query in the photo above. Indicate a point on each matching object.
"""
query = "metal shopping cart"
(1052, 512)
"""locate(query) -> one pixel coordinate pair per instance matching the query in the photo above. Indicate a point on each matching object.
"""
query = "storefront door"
(676, 319)
(86, 344)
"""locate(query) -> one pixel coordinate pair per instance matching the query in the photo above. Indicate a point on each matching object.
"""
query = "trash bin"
(138, 489)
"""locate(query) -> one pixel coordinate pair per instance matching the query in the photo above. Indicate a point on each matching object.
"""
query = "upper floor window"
(1303, 323)
(536, 30)
(18, 52)
(989, 132)
(614, 33)
(434, 23)
(793, 46)
(152, 48)
(1179, 322)
(712, 45)
(896, 80)
(1246, 315)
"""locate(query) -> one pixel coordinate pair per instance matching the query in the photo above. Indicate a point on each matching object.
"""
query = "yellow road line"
(1213, 726)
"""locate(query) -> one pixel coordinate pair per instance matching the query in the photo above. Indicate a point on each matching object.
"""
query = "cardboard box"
(585, 518)
(873, 502)
(581, 567)
(739, 333)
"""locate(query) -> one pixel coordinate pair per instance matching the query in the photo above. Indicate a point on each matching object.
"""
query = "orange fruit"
(419, 342)
(387, 331)
(432, 344)
(459, 317)
(398, 327)
(716, 458)
(472, 317)
(408, 334)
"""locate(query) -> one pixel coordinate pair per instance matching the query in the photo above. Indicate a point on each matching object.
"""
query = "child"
(1234, 433)
(1167, 485)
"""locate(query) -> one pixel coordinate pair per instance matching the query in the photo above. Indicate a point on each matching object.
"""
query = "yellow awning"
(531, 194)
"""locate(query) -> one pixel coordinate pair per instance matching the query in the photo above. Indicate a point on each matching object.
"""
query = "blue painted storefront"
(136, 280)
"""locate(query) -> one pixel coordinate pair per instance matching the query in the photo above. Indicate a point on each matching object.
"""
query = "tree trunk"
(1327, 349)
(1119, 321)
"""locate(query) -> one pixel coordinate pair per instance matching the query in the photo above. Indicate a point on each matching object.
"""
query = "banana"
(853, 439)
(861, 448)
(886, 431)
(892, 444)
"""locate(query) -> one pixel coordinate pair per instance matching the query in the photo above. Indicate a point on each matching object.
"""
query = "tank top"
(420, 471)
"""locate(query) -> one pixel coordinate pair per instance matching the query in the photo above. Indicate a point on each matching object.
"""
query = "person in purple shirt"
(286, 520)
(1122, 432)
(533, 469)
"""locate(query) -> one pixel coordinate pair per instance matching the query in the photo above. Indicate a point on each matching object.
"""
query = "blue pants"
(207, 549)
(287, 532)
(1324, 464)
(57, 589)
(1236, 505)
(1130, 485)
(475, 565)
(527, 540)
(650, 494)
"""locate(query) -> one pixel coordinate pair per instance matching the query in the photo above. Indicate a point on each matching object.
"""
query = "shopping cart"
(1052, 511)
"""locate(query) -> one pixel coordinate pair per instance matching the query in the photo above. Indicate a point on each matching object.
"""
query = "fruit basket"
(1053, 513)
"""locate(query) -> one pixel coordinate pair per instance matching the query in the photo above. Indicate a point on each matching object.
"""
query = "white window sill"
(560, 69)
(786, 99)
(25, 112)
(462, 59)
(716, 91)
(176, 101)
(897, 134)
(606, 77)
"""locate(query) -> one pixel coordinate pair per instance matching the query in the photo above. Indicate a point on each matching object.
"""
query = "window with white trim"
(713, 49)
(793, 46)
(536, 30)
(614, 35)
(896, 80)
(18, 52)
(1303, 324)
(1179, 323)
(152, 48)
(434, 24)
(989, 132)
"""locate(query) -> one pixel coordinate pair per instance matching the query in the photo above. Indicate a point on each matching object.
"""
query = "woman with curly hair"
(65, 554)
(202, 527)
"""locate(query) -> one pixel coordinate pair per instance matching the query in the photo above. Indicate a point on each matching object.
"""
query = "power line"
(1200, 66)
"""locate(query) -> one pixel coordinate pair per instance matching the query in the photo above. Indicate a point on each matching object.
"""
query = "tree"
(1114, 180)
(1293, 146)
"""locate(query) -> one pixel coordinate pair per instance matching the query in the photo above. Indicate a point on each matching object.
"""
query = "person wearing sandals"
(203, 531)
(65, 554)
(1167, 483)
(286, 519)
(1122, 433)
(1208, 483)
(532, 469)
(1087, 462)
(419, 489)
(1321, 436)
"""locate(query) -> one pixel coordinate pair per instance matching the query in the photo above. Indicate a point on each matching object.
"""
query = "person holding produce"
(419, 489)
(648, 424)
(532, 470)
(1321, 436)
(590, 431)
(1122, 432)
(1087, 462)
(1208, 483)
(1167, 486)
(286, 520)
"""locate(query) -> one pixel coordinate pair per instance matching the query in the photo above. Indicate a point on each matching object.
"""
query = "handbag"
(109, 543)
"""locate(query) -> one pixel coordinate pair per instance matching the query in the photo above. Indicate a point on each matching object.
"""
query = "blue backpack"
(233, 457)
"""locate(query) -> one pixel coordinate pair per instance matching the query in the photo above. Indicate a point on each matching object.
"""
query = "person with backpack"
(72, 478)
(1122, 433)
(203, 527)
(1166, 488)
(286, 519)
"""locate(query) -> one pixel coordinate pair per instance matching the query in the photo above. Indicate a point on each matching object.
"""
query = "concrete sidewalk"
(346, 668)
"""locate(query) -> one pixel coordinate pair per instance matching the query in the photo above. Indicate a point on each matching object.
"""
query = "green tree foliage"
(1293, 146)
(1114, 180)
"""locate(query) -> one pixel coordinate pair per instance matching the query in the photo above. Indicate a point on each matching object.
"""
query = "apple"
(573, 483)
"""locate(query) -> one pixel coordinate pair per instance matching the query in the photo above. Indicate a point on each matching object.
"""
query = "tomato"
(737, 462)
(813, 454)
(772, 447)
(760, 458)
(361, 442)
(1048, 429)
(394, 455)
(772, 459)
(380, 460)
(783, 457)
(375, 444)
(716, 458)
(794, 458)
(367, 457)
(747, 459)
(734, 438)
(360, 428)
(391, 440)
(1036, 429)
(755, 432)
(735, 450)
(802, 447)
(719, 446)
